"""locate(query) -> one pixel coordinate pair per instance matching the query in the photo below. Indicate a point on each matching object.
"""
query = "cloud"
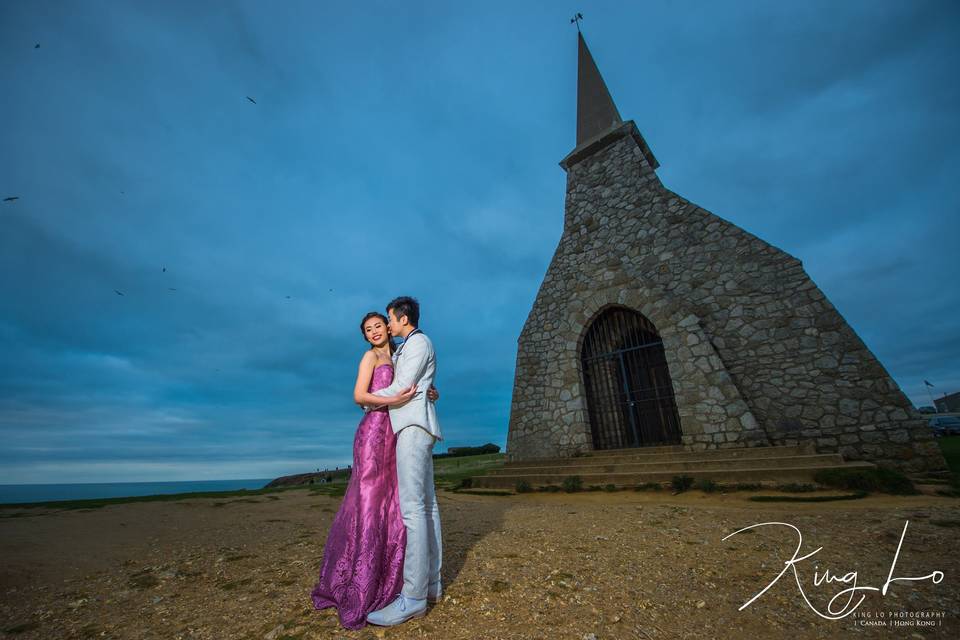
(413, 150)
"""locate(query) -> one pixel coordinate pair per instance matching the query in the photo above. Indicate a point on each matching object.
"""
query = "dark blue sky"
(412, 148)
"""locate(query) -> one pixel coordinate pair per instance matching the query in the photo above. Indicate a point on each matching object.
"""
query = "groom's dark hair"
(405, 306)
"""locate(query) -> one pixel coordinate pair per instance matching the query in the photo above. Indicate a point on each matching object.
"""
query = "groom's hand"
(433, 394)
(404, 396)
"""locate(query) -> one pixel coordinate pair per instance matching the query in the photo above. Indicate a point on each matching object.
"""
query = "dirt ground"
(587, 565)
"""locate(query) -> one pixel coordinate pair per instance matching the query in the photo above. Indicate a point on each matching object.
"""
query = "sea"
(20, 493)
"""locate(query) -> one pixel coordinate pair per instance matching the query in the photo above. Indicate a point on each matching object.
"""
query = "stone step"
(654, 449)
(768, 475)
(644, 454)
(585, 466)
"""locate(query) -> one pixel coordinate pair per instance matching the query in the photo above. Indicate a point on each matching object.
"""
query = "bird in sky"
(288, 297)
(117, 292)
(36, 46)
(171, 288)
(164, 269)
(11, 198)
(251, 100)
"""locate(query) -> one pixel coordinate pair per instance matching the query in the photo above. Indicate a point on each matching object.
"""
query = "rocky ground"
(587, 565)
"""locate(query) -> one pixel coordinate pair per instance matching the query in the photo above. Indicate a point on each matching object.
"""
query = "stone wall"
(757, 355)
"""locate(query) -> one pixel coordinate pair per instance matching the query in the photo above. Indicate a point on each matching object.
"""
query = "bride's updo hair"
(377, 314)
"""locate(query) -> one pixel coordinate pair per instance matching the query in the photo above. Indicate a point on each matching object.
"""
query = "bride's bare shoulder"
(369, 357)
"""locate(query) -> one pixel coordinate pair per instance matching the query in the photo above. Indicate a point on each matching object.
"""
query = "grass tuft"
(880, 479)
(851, 496)
(681, 483)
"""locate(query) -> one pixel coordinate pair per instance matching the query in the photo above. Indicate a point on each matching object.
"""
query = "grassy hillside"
(950, 446)
(447, 472)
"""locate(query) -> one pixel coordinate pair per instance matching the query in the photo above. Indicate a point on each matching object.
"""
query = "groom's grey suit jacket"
(415, 363)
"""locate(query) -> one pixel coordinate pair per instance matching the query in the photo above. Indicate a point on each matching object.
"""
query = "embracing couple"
(381, 562)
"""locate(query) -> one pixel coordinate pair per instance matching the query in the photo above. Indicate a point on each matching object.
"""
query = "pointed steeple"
(598, 122)
(596, 111)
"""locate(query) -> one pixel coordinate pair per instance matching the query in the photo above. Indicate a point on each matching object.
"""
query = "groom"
(417, 429)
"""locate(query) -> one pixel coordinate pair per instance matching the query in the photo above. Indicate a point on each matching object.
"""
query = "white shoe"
(400, 610)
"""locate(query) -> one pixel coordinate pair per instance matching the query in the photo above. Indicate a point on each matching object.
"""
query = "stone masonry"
(756, 353)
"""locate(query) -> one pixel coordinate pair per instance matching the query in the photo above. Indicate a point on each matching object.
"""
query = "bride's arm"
(364, 374)
(368, 400)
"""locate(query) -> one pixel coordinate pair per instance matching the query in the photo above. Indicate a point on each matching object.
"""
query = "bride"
(362, 569)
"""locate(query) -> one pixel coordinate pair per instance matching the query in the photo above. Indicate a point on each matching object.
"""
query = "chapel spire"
(598, 121)
(596, 111)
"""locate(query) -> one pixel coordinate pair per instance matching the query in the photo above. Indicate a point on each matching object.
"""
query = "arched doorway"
(630, 397)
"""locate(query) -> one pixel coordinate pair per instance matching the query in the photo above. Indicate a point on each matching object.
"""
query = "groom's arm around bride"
(416, 365)
(410, 367)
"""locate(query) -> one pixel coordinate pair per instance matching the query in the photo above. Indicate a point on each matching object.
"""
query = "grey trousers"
(421, 515)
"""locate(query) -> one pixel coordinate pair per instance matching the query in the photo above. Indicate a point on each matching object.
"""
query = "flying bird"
(36, 46)
(171, 288)
(164, 269)
(11, 198)
(251, 100)
(117, 292)
(288, 297)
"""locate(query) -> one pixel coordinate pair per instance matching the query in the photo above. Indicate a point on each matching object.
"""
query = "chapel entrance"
(630, 398)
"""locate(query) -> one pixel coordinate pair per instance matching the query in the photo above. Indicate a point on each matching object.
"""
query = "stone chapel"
(660, 323)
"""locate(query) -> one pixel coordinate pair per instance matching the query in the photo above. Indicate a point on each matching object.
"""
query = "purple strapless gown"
(362, 568)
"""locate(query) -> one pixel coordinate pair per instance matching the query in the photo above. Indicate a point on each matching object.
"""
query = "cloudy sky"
(412, 148)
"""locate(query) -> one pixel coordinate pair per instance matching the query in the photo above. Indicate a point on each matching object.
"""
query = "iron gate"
(630, 398)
